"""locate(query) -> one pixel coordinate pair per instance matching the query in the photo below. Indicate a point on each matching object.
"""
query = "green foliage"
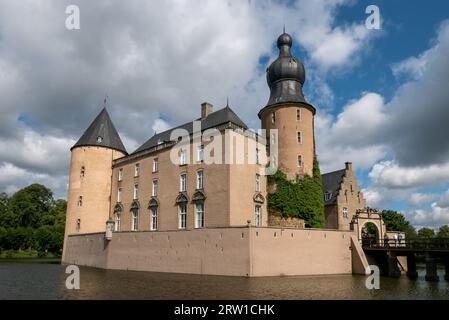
(29, 205)
(395, 221)
(31, 221)
(443, 232)
(302, 198)
(426, 233)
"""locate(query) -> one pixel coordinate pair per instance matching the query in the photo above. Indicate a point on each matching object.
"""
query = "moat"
(33, 280)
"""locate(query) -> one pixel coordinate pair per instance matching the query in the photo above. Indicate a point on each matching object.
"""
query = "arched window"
(182, 215)
(199, 215)
(258, 216)
(134, 219)
(118, 216)
(153, 210)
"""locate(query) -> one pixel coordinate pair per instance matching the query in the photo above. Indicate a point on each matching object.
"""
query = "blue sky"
(381, 94)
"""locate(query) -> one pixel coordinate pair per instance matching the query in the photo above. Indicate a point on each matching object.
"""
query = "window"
(327, 196)
(183, 159)
(257, 156)
(200, 153)
(200, 179)
(182, 216)
(80, 201)
(299, 161)
(155, 187)
(153, 226)
(358, 196)
(345, 213)
(258, 213)
(78, 225)
(257, 182)
(117, 226)
(120, 174)
(199, 215)
(136, 191)
(119, 194)
(134, 219)
(183, 183)
(99, 139)
(298, 114)
(273, 117)
(273, 138)
(82, 172)
(298, 137)
(137, 170)
(155, 165)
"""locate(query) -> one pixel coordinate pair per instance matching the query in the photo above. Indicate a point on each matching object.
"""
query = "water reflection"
(47, 281)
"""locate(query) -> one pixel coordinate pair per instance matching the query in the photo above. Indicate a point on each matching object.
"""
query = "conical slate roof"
(101, 133)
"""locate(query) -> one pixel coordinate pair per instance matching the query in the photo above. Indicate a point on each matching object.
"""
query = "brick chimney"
(206, 109)
(348, 166)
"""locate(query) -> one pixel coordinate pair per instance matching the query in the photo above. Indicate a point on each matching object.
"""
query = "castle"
(181, 212)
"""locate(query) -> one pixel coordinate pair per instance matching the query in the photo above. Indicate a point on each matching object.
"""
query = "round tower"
(288, 111)
(89, 189)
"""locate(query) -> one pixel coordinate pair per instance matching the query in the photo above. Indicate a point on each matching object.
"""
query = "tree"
(395, 221)
(5, 213)
(426, 233)
(56, 214)
(443, 232)
(301, 199)
(29, 205)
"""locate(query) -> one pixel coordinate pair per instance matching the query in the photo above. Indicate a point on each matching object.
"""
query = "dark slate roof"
(331, 183)
(102, 127)
(214, 119)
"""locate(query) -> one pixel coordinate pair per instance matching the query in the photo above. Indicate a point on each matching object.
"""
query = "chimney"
(206, 109)
(348, 166)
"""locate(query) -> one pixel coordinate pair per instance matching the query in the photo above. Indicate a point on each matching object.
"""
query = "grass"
(26, 254)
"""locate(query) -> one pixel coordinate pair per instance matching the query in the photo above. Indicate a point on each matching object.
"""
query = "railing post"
(411, 266)
(431, 268)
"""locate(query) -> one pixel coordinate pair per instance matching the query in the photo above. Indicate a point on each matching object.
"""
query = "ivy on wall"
(302, 198)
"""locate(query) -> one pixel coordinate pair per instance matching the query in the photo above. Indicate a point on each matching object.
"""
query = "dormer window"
(99, 139)
(327, 196)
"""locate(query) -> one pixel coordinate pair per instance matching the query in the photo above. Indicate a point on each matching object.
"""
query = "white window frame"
(183, 157)
(154, 218)
(134, 219)
(155, 188)
(299, 161)
(200, 153)
(155, 164)
(136, 192)
(258, 215)
(182, 220)
(137, 170)
(118, 217)
(119, 194)
(199, 215)
(183, 182)
(345, 212)
(120, 174)
(327, 196)
(257, 182)
(200, 179)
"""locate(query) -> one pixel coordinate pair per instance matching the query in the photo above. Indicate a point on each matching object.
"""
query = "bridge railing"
(414, 243)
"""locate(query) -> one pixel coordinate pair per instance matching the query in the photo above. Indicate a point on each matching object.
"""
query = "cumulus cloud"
(434, 217)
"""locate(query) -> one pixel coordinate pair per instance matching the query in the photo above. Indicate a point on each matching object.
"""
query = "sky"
(382, 95)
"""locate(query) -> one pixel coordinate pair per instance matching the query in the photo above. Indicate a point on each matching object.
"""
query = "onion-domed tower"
(288, 111)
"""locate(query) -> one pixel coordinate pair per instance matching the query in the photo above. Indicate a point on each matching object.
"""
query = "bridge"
(386, 253)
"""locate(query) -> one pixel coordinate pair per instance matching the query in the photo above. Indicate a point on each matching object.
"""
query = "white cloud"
(417, 199)
(434, 217)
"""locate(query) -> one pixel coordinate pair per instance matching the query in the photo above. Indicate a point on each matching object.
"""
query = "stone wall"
(240, 251)
(288, 222)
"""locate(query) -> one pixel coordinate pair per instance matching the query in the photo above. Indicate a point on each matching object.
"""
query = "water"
(31, 280)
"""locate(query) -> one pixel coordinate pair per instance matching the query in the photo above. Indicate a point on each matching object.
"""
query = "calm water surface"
(27, 280)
